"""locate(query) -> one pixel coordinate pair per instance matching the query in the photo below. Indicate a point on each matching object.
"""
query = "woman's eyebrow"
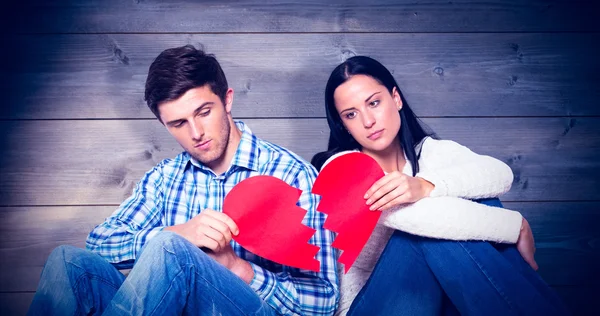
(369, 98)
(344, 110)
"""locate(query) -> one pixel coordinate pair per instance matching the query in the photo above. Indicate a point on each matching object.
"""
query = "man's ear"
(228, 100)
(158, 116)
(397, 99)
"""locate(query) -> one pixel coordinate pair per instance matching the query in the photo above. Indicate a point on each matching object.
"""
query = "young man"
(172, 226)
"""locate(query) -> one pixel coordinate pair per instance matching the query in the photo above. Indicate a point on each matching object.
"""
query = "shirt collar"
(246, 155)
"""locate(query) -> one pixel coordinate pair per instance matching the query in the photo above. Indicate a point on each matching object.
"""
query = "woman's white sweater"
(458, 175)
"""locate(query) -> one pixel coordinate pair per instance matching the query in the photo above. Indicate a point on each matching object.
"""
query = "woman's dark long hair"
(411, 131)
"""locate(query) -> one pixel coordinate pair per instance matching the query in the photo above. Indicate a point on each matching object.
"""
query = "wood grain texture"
(30, 234)
(581, 300)
(98, 162)
(567, 241)
(275, 75)
(517, 80)
(101, 16)
(15, 304)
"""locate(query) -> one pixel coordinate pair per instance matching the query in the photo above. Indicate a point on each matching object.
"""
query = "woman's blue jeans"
(171, 277)
(424, 276)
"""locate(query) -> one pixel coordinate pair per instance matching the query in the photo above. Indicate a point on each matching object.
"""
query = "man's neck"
(221, 165)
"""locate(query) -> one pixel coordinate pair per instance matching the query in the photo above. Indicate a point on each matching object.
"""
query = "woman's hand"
(526, 244)
(396, 188)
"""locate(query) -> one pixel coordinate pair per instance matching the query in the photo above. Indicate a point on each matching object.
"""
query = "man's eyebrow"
(174, 122)
(198, 109)
(202, 106)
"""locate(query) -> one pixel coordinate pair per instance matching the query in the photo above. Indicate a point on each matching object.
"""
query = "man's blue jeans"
(424, 276)
(171, 277)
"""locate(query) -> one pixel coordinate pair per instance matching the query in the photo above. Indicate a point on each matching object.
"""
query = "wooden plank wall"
(514, 79)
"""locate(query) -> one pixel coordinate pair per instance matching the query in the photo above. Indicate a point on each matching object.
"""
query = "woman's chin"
(375, 148)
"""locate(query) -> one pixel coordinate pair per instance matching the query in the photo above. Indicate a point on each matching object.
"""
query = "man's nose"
(196, 130)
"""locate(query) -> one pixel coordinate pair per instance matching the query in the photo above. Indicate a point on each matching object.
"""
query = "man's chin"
(206, 159)
(202, 159)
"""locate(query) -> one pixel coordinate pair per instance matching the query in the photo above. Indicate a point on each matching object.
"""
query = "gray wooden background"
(518, 80)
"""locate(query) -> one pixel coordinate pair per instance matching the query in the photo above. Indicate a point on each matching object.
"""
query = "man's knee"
(167, 248)
(166, 241)
(64, 258)
(66, 253)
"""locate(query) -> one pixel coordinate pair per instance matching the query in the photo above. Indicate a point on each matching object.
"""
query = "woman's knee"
(490, 202)
(402, 243)
(404, 238)
(423, 245)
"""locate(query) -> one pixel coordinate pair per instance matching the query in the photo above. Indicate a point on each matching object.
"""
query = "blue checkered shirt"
(178, 189)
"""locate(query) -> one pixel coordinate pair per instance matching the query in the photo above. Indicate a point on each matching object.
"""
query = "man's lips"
(375, 135)
(202, 145)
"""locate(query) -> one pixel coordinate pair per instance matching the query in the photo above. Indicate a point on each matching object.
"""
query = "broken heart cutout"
(342, 184)
(270, 222)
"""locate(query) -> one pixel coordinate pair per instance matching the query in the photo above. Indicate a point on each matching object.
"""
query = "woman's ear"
(397, 99)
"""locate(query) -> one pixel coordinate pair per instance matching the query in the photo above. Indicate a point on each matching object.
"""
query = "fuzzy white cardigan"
(458, 175)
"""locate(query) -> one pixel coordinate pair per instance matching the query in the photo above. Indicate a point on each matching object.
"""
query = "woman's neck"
(391, 159)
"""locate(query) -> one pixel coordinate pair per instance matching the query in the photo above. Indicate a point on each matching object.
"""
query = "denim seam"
(199, 276)
(166, 292)
(90, 277)
(358, 306)
(170, 283)
(361, 301)
(93, 276)
(222, 294)
(490, 279)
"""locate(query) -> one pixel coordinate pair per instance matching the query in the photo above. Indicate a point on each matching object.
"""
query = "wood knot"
(347, 53)
(120, 57)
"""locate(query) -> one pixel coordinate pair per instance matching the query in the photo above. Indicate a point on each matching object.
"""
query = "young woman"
(427, 255)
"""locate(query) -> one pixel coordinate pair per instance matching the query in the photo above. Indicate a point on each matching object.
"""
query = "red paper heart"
(270, 222)
(342, 185)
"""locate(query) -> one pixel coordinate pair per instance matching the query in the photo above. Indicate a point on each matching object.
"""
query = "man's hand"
(210, 229)
(526, 244)
(396, 188)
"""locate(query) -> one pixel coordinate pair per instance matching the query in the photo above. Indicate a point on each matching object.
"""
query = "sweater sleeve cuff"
(263, 282)
(512, 229)
(440, 186)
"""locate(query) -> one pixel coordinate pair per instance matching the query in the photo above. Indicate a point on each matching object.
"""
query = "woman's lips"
(375, 135)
